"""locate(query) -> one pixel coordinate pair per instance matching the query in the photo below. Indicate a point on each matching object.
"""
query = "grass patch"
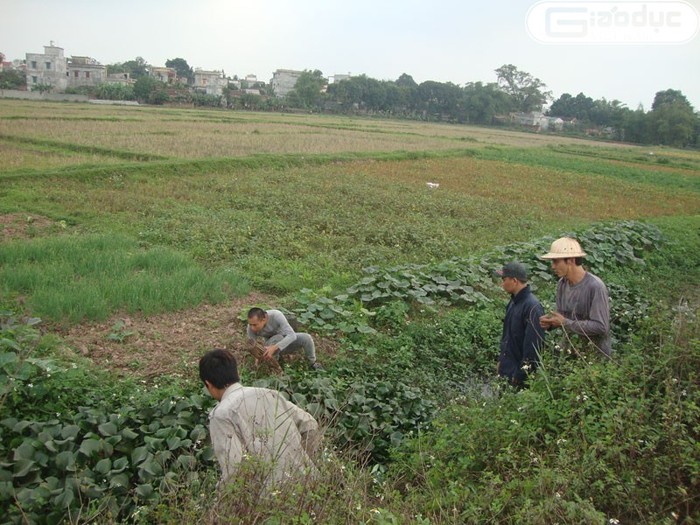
(291, 221)
(576, 162)
(71, 279)
(78, 148)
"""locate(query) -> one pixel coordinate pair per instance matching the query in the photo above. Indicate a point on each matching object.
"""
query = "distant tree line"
(671, 121)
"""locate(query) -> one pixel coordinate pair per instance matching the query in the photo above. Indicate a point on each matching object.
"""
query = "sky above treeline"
(564, 44)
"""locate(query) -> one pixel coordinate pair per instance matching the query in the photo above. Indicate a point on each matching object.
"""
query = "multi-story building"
(283, 81)
(163, 74)
(209, 82)
(85, 71)
(47, 68)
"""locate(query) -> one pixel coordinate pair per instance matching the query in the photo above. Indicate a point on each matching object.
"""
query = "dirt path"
(172, 343)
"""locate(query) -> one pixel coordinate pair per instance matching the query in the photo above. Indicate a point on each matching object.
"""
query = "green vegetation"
(74, 278)
(397, 279)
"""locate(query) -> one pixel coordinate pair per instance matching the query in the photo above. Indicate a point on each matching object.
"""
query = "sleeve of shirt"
(533, 341)
(307, 426)
(598, 322)
(283, 327)
(228, 448)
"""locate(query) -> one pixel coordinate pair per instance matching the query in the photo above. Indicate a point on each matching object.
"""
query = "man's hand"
(552, 320)
(270, 351)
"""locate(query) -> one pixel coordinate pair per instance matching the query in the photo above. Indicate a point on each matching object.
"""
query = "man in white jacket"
(255, 424)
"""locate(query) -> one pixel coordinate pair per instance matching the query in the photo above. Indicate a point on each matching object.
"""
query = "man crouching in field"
(280, 337)
(255, 425)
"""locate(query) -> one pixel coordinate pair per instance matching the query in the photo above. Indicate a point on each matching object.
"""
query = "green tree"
(527, 92)
(669, 97)
(484, 102)
(441, 100)
(114, 92)
(672, 119)
(184, 71)
(308, 89)
(406, 80)
(136, 68)
(635, 127)
(12, 79)
(579, 107)
(42, 88)
(150, 91)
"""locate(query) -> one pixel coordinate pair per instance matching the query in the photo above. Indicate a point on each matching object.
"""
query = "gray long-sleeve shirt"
(586, 307)
(277, 324)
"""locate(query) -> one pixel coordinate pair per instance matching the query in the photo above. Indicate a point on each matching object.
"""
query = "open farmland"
(139, 235)
(189, 134)
(301, 201)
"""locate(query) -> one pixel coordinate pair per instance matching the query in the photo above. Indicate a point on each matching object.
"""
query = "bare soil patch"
(171, 343)
(24, 226)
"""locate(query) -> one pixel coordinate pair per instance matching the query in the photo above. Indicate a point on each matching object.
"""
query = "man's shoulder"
(594, 281)
(531, 302)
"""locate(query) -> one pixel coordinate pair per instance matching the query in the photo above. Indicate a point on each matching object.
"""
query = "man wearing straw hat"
(583, 306)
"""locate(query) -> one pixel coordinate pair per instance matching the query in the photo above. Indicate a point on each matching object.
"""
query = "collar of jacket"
(522, 294)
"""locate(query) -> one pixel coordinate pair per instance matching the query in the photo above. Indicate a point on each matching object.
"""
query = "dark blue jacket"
(522, 336)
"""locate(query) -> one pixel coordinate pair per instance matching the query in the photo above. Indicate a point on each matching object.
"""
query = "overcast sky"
(442, 40)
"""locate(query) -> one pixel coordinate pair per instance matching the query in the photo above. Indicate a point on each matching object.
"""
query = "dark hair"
(219, 368)
(256, 312)
(578, 261)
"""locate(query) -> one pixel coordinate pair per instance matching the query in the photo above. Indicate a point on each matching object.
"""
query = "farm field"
(188, 133)
(290, 218)
(139, 234)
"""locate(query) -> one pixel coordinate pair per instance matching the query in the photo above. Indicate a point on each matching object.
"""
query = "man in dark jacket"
(523, 336)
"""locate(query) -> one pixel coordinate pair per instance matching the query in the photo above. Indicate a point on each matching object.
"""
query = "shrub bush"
(587, 442)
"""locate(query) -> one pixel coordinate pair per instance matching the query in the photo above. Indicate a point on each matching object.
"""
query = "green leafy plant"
(120, 332)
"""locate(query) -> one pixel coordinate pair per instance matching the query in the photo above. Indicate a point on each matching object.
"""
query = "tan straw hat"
(564, 248)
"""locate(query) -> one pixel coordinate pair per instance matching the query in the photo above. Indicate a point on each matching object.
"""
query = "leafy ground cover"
(128, 444)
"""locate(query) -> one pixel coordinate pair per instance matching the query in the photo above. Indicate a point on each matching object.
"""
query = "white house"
(47, 68)
(283, 81)
(209, 82)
